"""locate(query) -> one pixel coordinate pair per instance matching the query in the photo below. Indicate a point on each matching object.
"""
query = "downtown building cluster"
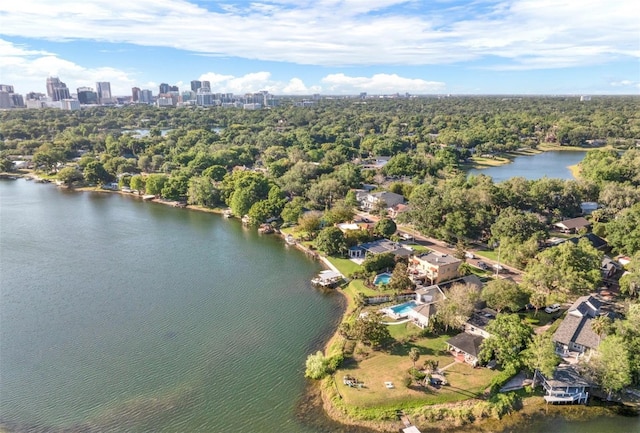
(200, 94)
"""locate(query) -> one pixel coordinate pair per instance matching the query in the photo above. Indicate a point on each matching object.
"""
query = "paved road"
(443, 248)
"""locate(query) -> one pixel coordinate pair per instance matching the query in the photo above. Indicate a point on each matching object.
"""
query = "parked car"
(482, 265)
(469, 255)
(552, 308)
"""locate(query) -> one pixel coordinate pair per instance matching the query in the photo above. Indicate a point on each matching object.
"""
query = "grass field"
(380, 367)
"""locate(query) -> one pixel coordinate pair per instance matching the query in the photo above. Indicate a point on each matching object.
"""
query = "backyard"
(378, 368)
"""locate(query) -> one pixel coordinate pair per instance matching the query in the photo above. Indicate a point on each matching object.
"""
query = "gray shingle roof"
(466, 342)
(566, 376)
(577, 330)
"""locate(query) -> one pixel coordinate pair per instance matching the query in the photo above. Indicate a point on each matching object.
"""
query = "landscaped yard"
(380, 367)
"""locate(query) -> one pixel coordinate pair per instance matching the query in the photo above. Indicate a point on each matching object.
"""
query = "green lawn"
(345, 266)
(489, 254)
(380, 367)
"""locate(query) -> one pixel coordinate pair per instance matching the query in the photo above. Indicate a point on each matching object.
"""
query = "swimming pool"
(401, 310)
(382, 279)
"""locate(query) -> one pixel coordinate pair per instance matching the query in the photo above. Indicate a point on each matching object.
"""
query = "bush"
(334, 363)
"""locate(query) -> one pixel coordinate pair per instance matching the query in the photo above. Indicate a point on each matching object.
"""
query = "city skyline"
(329, 47)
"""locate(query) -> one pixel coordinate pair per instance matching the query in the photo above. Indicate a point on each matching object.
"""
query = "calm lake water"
(118, 315)
(552, 164)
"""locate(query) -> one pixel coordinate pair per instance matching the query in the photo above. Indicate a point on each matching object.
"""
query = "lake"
(118, 315)
(126, 316)
(553, 164)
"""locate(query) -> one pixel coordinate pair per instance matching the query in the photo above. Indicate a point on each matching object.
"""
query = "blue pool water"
(382, 279)
(403, 309)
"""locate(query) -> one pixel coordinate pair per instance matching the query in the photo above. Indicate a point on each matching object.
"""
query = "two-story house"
(575, 337)
(435, 267)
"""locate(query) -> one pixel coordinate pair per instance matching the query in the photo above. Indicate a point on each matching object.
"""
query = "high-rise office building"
(86, 95)
(135, 94)
(195, 85)
(103, 88)
(6, 88)
(56, 89)
(164, 88)
(146, 96)
(206, 85)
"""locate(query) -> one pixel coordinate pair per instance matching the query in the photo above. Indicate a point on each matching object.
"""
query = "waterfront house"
(465, 347)
(369, 201)
(378, 247)
(573, 225)
(565, 386)
(426, 300)
(434, 267)
(575, 338)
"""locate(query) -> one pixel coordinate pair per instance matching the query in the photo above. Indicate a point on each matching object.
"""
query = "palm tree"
(414, 355)
(600, 325)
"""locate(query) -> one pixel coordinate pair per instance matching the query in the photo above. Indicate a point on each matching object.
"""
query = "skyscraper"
(56, 89)
(86, 95)
(195, 85)
(206, 85)
(135, 94)
(164, 88)
(103, 88)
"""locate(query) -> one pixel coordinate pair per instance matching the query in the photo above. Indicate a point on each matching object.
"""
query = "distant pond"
(553, 164)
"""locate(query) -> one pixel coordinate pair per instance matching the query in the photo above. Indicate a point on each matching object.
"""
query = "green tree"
(378, 262)
(516, 225)
(317, 366)
(568, 269)
(6, 165)
(95, 173)
(541, 356)
(400, 281)
(509, 335)
(456, 308)
(630, 281)
(504, 293)
(414, 355)
(137, 183)
(202, 192)
(385, 227)
(623, 233)
(154, 183)
(215, 172)
(293, 210)
(601, 325)
(331, 240)
(370, 330)
(68, 175)
(310, 224)
(610, 364)
(176, 187)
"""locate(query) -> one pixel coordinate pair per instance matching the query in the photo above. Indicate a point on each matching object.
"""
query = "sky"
(331, 47)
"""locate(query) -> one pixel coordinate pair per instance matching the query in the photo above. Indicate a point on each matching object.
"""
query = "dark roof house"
(565, 386)
(575, 336)
(573, 225)
(466, 346)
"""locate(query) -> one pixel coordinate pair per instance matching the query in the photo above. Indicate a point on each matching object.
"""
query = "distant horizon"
(327, 47)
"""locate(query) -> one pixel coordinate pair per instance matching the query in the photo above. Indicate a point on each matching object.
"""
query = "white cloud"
(626, 83)
(29, 69)
(379, 84)
(526, 34)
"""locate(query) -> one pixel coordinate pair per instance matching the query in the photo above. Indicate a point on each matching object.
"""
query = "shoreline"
(319, 391)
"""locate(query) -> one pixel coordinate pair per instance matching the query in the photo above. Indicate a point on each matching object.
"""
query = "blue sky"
(326, 46)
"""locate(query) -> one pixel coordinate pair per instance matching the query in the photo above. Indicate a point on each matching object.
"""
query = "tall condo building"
(103, 88)
(56, 89)
(135, 94)
(206, 85)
